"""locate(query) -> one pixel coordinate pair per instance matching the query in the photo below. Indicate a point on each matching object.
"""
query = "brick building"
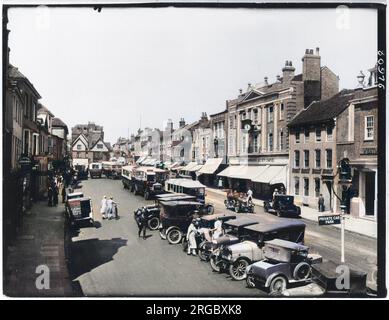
(343, 126)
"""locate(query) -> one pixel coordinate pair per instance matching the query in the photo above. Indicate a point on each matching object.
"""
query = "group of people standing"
(109, 209)
(55, 187)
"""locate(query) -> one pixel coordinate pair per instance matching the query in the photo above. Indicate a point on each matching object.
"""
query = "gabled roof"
(14, 73)
(82, 138)
(101, 141)
(324, 110)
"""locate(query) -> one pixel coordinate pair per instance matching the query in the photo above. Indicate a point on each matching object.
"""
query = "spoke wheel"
(278, 285)
(174, 236)
(153, 223)
(238, 269)
(214, 264)
(250, 282)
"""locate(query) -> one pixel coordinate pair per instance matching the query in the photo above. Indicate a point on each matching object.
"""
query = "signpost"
(329, 220)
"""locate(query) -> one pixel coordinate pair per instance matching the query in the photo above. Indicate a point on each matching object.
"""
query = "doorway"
(370, 193)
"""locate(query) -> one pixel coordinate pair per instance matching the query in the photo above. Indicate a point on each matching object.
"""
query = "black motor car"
(282, 205)
(153, 210)
(176, 216)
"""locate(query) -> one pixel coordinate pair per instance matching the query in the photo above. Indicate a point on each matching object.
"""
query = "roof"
(178, 197)
(241, 221)
(273, 226)
(57, 122)
(211, 165)
(186, 183)
(324, 110)
(43, 109)
(287, 244)
(179, 203)
(215, 216)
(14, 73)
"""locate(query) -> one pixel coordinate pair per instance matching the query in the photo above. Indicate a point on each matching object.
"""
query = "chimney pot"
(306, 51)
(240, 91)
(317, 50)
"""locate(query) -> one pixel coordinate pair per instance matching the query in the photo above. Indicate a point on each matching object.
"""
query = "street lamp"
(345, 182)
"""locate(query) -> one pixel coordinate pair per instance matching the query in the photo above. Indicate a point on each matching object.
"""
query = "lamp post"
(345, 181)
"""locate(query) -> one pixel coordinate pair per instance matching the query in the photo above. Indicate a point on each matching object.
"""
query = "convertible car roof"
(242, 221)
(179, 203)
(218, 215)
(275, 226)
(287, 244)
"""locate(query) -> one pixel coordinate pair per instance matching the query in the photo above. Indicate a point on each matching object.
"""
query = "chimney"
(361, 80)
(249, 86)
(204, 116)
(287, 71)
(311, 65)
(182, 123)
(240, 91)
(265, 81)
(278, 78)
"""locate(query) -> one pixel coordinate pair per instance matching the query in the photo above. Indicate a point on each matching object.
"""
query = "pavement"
(361, 226)
(39, 250)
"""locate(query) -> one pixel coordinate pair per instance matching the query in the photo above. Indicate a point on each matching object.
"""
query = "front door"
(370, 193)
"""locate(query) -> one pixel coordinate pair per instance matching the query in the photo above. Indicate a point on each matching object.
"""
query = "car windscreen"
(285, 200)
(151, 177)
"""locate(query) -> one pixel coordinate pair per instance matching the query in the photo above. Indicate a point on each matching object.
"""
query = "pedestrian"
(103, 208)
(217, 229)
(220, 183)
(320, 203)
(109, 208)
(142, 224)
(191, 238)
(249, 195)
(275, 193)
(50, 196)
(63, 193)
(55, 195)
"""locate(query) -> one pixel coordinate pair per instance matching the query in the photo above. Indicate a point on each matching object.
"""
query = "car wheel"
(302, 271)
(237, 269)
(153, 223)
(162, 234)
(278, 285)
(266, 207)
(250, 281)
(214, 261)
(174, 236)
(202, 252)
(210, 209)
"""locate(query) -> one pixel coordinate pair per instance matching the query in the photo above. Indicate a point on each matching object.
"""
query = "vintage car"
(176, 216)
(79, 209)
(239, 203)
(285, 262)
(148, 181)
(235, 258)
(127, 177)
(282, 205)
(153, 210)
(190, 187)
(95, 170)
(112, 170)
(74, 195)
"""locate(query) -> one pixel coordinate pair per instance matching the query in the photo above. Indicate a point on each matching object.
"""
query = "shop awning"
(240, 172)
(195, 168)
(140, 159)
(189, 166)
(272, 175)
(210, 166)
(186, 183)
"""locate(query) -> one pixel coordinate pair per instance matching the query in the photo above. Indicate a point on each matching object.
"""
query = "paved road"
(112, 260)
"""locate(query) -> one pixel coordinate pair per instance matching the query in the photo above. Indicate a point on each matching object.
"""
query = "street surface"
(110, 260)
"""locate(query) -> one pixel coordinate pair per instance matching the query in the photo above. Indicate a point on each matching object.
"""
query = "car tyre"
(237, 269)
(153, 223)
(278, 285)
(302, 271)
(213, 260)
(210, 209)
(174, 236)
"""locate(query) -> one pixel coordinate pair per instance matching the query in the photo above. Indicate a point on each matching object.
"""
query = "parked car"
(95, 169)
(189, 187)
(112, 170)
(74, 195)
(239, 203)
(233, 231)
(237, 257)
(282, 205)
(285, 262)
(176, 217)
(153, 210)
(80, 167)
(127, 177)
(79, 209)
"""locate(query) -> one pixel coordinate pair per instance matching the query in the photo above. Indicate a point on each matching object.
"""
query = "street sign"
(329, 220)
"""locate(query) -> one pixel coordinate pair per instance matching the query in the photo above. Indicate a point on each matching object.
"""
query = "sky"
(126, 68)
